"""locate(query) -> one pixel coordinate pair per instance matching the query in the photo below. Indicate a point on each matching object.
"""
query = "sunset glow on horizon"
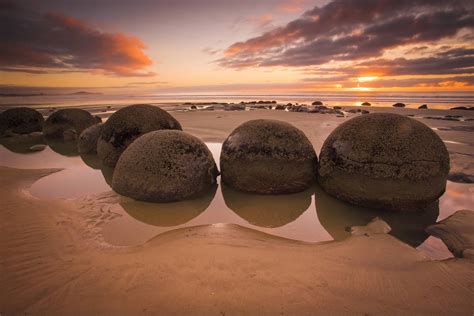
(241, 47)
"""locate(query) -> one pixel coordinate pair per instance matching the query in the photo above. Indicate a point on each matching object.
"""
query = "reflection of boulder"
(168, 214)
(337, 217)
(267, 210)
(21, 144)
(64, 148)
(92, 160)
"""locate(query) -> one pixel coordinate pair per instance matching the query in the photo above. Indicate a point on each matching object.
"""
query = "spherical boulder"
(165, 166)
(126, 125)
(384, 161)
(66, 122)
(21, 121)
(268, 157)
(87, 142)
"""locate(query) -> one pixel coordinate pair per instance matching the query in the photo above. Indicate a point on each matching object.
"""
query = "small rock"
(423, 107)
(317, 103)
(366, 104)
(399, 105)
(39, 147)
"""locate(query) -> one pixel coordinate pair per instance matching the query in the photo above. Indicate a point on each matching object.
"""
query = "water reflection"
(337, 217)
(168, 214)
(21, 144)
(64, 148)
(267, 210)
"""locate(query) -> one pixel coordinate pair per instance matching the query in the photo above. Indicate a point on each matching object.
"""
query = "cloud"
(53, 42)
(352, 30)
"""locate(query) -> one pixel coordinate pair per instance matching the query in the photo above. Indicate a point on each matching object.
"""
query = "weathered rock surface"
(385, 161)
(268, 157)
(165, 166)
(63, 123)
(20, 120)
(126, 125)
(87, 142)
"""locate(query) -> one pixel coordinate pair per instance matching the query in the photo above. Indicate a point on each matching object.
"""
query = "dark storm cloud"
(351, 30)
(43, 43)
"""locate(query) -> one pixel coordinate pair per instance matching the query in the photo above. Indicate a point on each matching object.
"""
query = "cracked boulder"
(268, 157)
(384, 161)
(64, 124)
(165, 166)
(20, 121)
(126, 125)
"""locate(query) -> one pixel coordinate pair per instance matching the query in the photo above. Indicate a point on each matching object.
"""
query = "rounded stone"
(384, 161)
(126, 125)
(67, 121)
(87, 142)
(21, 121)
(165, 166)
(268, 157)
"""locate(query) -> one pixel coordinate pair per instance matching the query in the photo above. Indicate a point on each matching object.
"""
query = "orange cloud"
(55, 42)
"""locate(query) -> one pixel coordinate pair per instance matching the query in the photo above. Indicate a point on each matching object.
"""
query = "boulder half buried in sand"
(66, 122)
(457, 232)
(165, 166)
(268, 157)
(384, 161)
(21, 121)
(87, 142)
(126, 125)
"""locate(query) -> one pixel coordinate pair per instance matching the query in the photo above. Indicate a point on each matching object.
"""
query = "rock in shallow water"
(268, 157)
(126, 125)
(384, 161)
(165, 166)
(21, 121)
(457, 232)
(87, 142)
(66, 122)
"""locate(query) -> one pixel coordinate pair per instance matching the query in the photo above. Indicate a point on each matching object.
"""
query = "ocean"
(412, 100)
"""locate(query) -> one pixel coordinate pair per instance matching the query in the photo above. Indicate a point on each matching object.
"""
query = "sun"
(365, 79)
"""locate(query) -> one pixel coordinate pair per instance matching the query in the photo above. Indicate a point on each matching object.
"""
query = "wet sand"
(53, 258)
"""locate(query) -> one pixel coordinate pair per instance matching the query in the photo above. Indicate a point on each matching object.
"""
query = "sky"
(237, 47)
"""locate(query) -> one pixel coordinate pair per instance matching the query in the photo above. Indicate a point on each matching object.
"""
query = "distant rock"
(423, 107)
(185, 168)
(399, 105)
(268, 157)
(98, 119)
(463, 108)
(20, 120)
(456, 232)
(365, 112)
(193, 107)
(366, 104)
(70, 135)
(384, 161)
(126, 125)
(280, 107)
(234, 107)
(337, 107)
(87, 142)
(64, 120)
(317, 103)
(38, 147)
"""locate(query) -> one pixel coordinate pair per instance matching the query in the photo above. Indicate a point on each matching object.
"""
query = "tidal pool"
(311, 215)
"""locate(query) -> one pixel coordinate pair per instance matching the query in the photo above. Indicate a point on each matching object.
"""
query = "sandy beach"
(54, 259)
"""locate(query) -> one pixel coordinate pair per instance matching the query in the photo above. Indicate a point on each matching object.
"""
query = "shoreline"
(209, 269)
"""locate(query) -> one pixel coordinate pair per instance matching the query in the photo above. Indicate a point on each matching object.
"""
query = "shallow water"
(311, 215)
